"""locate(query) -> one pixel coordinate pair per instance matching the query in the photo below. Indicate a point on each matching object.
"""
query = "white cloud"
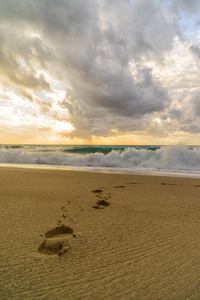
(105, 67)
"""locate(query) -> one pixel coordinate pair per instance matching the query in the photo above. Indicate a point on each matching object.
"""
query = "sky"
(100, 72)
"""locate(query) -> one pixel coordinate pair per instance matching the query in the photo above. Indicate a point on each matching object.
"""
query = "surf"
(171, 158)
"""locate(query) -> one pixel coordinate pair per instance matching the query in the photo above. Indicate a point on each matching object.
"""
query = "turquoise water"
(81, 149)
(125, 159)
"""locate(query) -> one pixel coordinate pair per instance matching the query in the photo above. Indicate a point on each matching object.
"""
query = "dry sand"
(59, 242)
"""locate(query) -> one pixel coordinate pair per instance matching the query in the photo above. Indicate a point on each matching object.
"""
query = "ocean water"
(151, 160)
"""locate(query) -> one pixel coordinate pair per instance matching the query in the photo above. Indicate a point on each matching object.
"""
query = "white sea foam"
(172, 158)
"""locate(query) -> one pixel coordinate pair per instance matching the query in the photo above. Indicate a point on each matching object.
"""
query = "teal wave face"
(82, 149)
(93, 149)
(105, 149)
(12, 146)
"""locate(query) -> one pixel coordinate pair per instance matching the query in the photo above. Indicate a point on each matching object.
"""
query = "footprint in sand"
(101, 204)
(119, 187)
(164, 183)
(97, 191)
(56, 241)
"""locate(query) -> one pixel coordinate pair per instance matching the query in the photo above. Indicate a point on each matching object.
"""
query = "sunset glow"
(99, 72)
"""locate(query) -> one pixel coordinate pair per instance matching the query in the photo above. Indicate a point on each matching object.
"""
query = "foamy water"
(155, 160)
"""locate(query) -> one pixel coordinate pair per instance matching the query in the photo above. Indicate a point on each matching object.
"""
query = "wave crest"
(164, 157)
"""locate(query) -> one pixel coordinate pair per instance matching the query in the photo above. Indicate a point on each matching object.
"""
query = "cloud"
(175, 113)
(196, 103)
(117, 62)
(189, 7)
(191, 128)
(99, 71)
(195, 50)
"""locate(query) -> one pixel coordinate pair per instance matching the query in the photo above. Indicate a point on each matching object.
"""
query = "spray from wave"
(173, 158)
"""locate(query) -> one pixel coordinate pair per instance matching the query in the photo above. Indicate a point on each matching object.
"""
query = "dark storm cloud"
(99, 69)
(175, 113)
(195, 50)
(196, 103)
(90, 44)
(190, 128)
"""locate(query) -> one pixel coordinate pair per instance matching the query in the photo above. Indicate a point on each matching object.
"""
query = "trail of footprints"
(56, 241)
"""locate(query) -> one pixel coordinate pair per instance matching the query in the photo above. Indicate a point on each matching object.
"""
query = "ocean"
(150, 160)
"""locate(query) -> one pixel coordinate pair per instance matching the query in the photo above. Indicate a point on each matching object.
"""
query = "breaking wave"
(173, 158)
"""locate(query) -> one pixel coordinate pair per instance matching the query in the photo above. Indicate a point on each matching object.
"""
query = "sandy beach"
(77, 235)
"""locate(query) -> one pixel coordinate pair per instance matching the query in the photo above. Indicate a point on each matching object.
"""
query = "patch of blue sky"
(59, 85)
(133, 1)
(12, 88)
(44, 97)
(189, 26)
(168, 3)
(22, 62)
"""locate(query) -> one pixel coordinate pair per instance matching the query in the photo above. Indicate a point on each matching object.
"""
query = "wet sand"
(77, 235)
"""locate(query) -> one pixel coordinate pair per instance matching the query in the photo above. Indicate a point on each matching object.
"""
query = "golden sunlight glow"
(157, 121)
(60, 126)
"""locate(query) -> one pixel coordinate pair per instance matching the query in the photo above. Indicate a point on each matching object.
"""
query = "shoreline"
(107, 170)
(82, 235)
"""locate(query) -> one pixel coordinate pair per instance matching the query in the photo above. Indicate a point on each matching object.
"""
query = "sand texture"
(77, 235)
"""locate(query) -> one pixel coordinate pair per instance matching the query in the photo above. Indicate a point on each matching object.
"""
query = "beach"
(83, 235)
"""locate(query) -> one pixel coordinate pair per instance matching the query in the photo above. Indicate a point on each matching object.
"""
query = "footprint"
(55, 241)
(101, 204)
(164, 183)
(119, 186)
(97, 191)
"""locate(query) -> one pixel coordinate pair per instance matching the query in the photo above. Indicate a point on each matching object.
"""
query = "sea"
(179, 160)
